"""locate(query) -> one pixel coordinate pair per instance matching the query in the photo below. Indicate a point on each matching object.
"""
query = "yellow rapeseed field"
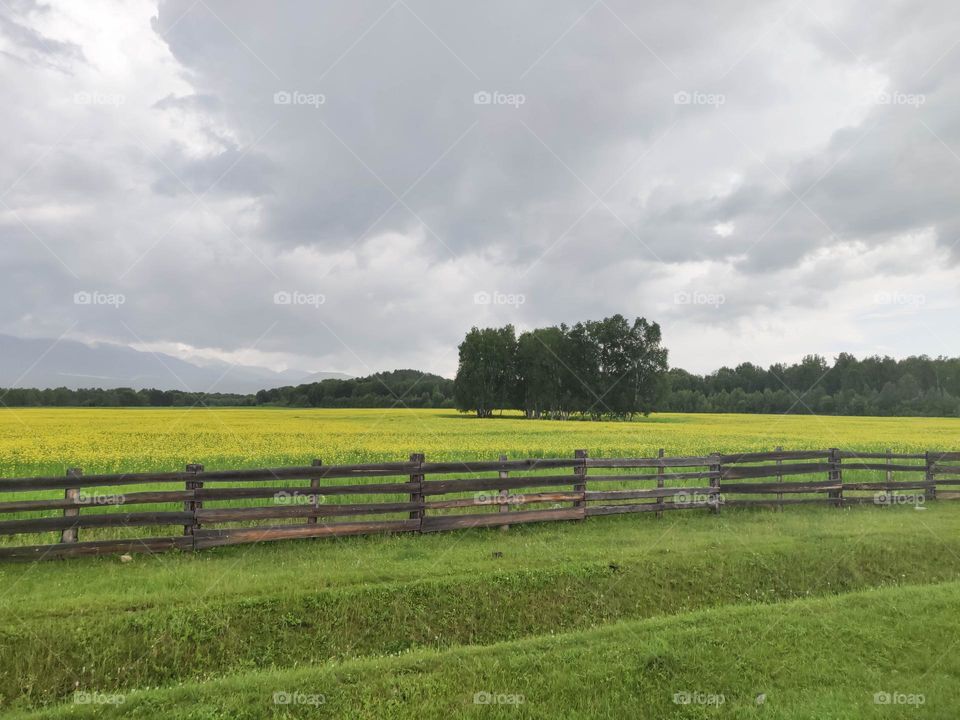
(47, 441)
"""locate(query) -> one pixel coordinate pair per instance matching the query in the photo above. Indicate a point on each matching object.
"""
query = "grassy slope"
(170, 619)
(813, 658)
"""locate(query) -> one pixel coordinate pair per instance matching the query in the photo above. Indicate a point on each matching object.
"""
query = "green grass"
(811, 658)
(169, 619)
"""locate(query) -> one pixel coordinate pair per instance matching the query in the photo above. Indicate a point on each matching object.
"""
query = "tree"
(487, 376)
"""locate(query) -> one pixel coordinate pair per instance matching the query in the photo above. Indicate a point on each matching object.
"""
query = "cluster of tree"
(605, 368)
(118, 397)
(398, 388)
(914, 386)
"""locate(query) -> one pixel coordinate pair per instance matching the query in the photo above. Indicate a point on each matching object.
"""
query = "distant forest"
(914, 386)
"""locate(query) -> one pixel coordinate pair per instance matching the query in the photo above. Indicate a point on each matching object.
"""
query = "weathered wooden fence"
(225, 507)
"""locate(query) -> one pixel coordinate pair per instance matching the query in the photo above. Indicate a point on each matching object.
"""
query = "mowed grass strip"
(830, 657)
(107, 626)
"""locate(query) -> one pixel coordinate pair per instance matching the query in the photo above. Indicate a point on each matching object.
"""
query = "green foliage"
(914, 386)
(595, 369)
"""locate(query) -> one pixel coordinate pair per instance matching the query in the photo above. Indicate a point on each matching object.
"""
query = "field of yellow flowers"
(47, 441)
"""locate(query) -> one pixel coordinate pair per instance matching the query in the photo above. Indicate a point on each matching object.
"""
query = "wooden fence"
(226, 507)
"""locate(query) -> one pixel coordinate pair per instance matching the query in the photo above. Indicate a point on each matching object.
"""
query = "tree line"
(913, 386)
(399, 388)
(593, 369)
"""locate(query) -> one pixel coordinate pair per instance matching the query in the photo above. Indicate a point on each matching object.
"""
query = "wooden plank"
(888, 455)
(85, 501)
(119, 519)
(95, 547)
(208, 538)
(497, 466)
(773, 503)
(742, 473)
(883, 467)
(781, 487)
(667, 476)
(458, 522)
(416, 496)
(504, 506)
(753, 457)
(192, 505)
(398, 488)
(645, 507)
(516, 499)
(222, 515)
(314, 495)
(884, 485)
(69, 533)
(948, 496)
(692, 461)
(247, 475)
(595, 495)
(580, 484)
(444, 487)
(660, 471)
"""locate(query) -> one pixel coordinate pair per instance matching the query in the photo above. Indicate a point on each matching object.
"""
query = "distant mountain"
(44, 363)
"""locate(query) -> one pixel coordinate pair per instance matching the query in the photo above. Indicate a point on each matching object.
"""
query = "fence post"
(69, 535)
(417, 495)
(504, 494)
(717, 467)
(779, 448)
(835, 476)
(930, 491)
(889, 462)
(314, 491)
(660, 473)
(192, 505)
(580, 485)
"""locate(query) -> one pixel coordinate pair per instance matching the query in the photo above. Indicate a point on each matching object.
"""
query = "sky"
(351, 185)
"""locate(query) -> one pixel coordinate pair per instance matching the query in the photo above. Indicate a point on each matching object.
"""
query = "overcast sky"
(352, 185)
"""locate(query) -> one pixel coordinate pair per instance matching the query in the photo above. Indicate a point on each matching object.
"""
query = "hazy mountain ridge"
(47, 363)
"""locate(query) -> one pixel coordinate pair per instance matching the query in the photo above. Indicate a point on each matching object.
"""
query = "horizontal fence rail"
(230, 507)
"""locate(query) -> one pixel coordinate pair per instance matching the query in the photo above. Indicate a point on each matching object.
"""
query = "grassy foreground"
(880, 653)
(105, 626)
